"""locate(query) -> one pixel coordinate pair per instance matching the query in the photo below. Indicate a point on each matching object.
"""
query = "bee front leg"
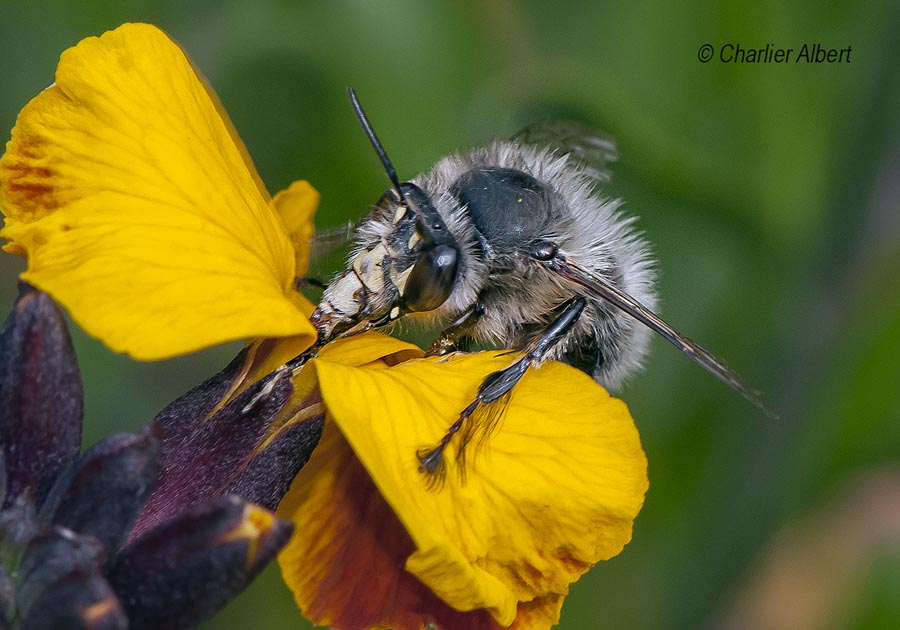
(498, 384)
(456, 336)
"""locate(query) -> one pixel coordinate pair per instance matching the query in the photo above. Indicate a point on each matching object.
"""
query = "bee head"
(405, 262)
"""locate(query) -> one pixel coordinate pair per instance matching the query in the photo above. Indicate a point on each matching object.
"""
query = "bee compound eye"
(431, 280)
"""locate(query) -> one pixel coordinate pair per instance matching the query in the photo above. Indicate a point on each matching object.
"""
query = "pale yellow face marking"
(374, 281)
(399, 279)
(368, 266)
(369, 258)
(395, 312)
(414, 240)
(399, 213)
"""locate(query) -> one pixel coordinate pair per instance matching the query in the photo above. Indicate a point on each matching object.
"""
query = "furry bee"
(511, 245)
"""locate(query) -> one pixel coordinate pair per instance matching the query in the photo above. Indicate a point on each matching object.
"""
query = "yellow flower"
(139, 210)
(554, 491)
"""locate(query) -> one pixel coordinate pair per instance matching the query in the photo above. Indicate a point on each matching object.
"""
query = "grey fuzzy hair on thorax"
(520, 296)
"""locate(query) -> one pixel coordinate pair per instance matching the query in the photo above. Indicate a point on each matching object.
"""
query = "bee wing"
(591, 148)
(328, 240)
(600, 287)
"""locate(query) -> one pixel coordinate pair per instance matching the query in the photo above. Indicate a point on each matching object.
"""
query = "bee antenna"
(376, 143)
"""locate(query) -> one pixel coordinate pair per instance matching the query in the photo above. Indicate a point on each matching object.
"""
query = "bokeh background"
(771, 194)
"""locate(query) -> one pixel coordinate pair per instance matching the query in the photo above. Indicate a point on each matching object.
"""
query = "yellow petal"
(372, 350)
(138, 210)
(296, 205)
(555, 490)
(345, 561)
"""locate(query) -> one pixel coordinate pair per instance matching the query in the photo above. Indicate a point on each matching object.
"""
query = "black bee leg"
(456, 336)
(498, 384)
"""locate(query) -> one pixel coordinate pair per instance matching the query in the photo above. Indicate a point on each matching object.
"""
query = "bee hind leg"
(496, 385)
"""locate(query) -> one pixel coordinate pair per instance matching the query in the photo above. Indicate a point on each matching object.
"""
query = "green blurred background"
(771, 194)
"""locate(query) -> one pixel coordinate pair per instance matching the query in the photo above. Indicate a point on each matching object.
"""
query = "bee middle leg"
(498, 384)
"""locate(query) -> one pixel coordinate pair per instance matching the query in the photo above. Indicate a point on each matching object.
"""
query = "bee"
(510, 245)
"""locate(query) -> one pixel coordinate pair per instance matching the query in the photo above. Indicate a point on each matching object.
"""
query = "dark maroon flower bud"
(268, 476)
(101, 494)
(81, 600)
(187, 568)
(52, 555)
(40, 396)
(204, 463)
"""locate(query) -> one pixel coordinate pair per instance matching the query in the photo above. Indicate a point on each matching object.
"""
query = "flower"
(555, 491)
(83, 542)
(129, 152)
